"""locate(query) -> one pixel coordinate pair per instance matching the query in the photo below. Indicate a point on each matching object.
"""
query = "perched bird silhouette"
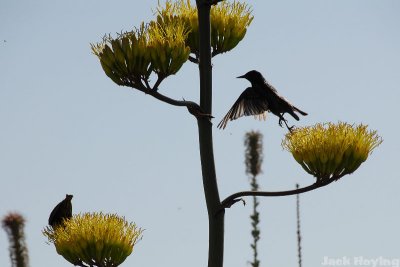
(258, 99)
(62, 211)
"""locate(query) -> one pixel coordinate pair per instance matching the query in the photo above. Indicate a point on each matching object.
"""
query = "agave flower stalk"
(94, 239)
(330, 151)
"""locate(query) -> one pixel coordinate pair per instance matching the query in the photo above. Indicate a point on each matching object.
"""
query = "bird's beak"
(243, 76)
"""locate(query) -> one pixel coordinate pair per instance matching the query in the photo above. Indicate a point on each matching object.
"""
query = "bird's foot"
(280, 121)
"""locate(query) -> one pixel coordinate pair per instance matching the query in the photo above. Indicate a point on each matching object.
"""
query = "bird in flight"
(259, 99)
(62, 211)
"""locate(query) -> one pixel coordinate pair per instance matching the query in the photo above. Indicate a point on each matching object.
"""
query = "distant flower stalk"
(253, 153)
(13, 223)
(330, 151)
(94, 239)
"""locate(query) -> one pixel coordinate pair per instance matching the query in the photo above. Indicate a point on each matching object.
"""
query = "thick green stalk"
(215, 215)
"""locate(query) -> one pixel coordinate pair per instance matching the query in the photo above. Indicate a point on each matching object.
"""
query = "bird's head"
(69, 197)
(254, 77)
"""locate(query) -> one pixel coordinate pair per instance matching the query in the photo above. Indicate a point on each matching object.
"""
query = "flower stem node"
(94, 239)
(330, 151)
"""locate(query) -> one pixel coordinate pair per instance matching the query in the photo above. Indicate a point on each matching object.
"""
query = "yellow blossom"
(95, 239)
(125, 59)
(130, 58)
(229, 22)
(167, 46)
(330, 151)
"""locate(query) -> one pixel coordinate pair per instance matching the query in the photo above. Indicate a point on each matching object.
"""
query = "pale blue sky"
(67, 128)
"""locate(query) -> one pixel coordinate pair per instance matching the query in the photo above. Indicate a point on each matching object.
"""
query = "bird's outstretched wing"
(250, 102)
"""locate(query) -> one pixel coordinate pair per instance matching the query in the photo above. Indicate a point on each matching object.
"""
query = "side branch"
(232, 199)
(192, 107)
(166, 99)
(194, 60)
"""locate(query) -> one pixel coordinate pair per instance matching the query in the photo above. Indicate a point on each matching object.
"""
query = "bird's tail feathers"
(300, 111)
(294, 115)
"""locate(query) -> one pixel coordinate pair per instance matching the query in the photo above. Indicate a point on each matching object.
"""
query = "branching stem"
(193, 107)
(194, 60)
(227, 202)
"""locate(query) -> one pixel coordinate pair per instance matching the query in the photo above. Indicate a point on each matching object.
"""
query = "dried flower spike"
(13, 223)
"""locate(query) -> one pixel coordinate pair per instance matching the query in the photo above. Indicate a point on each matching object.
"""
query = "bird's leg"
(281, 118)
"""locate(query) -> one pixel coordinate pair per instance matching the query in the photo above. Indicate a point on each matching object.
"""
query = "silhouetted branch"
(158, 82)
(193, 59)
(229, 201)
(154, 93)
(193, 107)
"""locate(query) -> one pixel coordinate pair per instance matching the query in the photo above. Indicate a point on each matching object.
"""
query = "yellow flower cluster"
(96, 239)
(164, 45)
(167, 46)
(133, 56)
(329, 151)
(181, 10)
(229, 22)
